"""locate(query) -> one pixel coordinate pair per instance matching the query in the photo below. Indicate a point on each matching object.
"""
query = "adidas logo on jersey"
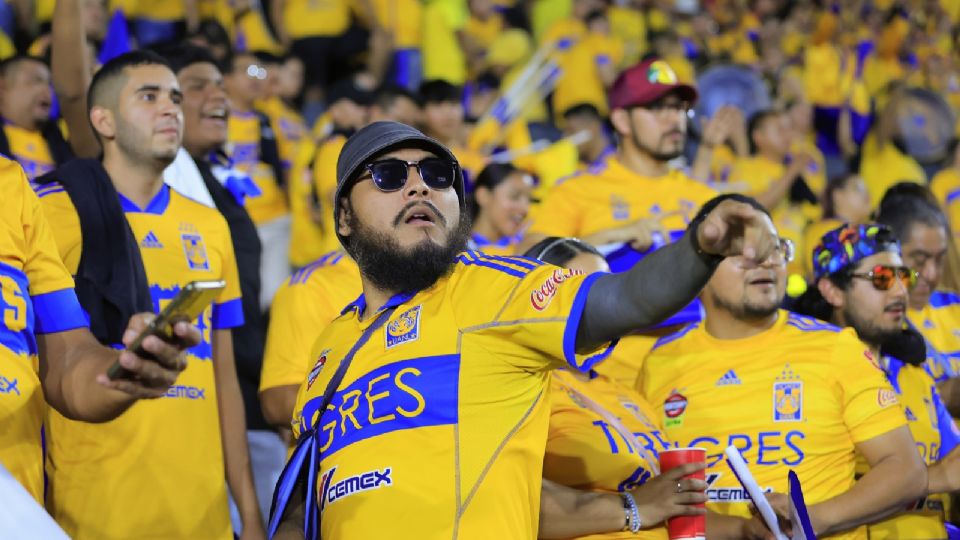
(150, 241)
(910, 416)
(729, 378)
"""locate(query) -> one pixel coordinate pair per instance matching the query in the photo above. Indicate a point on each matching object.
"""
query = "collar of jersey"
(483, 241)
(360, 304)
(752, 342)
(156, 206)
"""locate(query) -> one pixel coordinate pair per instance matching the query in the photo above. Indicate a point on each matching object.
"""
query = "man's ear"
(620, 119)
(343, 221)
(103, 122)
(831, 293)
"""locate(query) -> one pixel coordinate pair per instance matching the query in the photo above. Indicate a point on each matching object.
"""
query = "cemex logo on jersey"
(405, 328)
(541, 297)
(331, 492)
(728, 495)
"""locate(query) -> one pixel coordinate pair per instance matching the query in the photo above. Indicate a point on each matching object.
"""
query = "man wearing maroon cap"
(632, 203)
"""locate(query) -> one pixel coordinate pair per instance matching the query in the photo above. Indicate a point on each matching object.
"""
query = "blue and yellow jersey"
(503, 246)
(98, 472)
(939, 322)
(289, 128)
(30, 150)
(935, 434)
(603, 437)
(243, 149)
(946, 186)
(316, 18)
(36, 297)
(461, 379)
(883, 166)
(325, 187)
(304, 305)
(306, 235)
(812, 392)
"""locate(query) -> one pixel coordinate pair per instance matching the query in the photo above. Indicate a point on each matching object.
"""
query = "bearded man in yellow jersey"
(43, 325)
(96, 473)
(789, 392)
(27, 134)
(633, 202)
(861, 282)
(428, 390)
(922, 229)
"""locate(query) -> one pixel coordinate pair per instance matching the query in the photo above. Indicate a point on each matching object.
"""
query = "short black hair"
(558, 251)
(182, 55)
(908, 203)
(583, 110)
(7, 65)
(104, 88)
(440, 91)
(389, 93)
(756, 121)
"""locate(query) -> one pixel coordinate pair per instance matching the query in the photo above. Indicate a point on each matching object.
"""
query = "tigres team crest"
(405, 328)
(315, 372)
(787, 401)
(195, 251)
(660, 72)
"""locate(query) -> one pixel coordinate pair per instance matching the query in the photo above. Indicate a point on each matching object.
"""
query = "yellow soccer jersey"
(30, 150)
(585, 450)
(624, 363)
(882, 167)
(441, 419)
(243, 149)
(289, 127)
(305, 234)
(946, 186)
(159, 467)
(36, 297)
(504, 246)
(303, 306)
(939, 322)
(315, 18)
(812, 393)
(935, 434)
(325, 185)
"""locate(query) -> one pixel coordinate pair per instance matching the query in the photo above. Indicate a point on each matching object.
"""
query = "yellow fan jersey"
(882, 167)
(305, 234)
(36, 297)
(30, 150)
(243, 149)
(799, 395)
(939, 322)
(159, 467)
(626, 360)
(303, 306)
(458, 379)
(585, 450)
(325, 186)
(935, 434)
(289, 127)
(504, 246)
(946, 186)
(315, 18)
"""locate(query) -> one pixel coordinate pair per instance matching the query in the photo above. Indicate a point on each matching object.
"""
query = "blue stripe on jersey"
(42, 194)
(408, 394)
(526, 264)
(303, 274)
(59, 311)
(227, 315)
(809, 324)
(940, 299)
(573, 324)
(670, 338)
(467, 261)
(952, 196)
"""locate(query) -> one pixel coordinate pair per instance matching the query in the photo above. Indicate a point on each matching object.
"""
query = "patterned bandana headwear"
(847, 245)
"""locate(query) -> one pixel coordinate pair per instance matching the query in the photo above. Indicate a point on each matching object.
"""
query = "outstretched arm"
(668, 279)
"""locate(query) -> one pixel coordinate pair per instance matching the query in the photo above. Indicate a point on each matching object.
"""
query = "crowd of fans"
(168, 141)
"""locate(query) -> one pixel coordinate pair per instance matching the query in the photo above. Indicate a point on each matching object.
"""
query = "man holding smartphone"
(42, 320)
(181, 445)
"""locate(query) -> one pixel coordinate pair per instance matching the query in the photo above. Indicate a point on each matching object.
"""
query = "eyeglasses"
(785, 250)
(256, 72)
(391, 174)
(883, 277)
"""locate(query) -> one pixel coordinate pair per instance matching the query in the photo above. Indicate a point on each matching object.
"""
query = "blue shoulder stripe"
(670, 338)
(466, 259)
(42, 194)
(303, 274)
(525, 264)
(941, 299)
(809, 324)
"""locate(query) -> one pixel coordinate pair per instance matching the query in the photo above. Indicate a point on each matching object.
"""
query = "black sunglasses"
(391, 174)
(883, 276)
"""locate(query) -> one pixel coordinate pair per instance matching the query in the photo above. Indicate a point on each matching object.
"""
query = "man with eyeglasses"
(633, 202)
(423, 415)
(860, 282)
(790, 392)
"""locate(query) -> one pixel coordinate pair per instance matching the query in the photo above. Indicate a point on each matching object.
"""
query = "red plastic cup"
(685, 527)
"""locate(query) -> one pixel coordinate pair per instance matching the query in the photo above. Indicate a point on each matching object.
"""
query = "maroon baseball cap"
(647, 82)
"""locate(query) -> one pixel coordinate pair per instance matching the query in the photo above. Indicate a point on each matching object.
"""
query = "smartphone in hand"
(187, 306)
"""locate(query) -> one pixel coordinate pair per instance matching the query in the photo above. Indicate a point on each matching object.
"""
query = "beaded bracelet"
(631, 513)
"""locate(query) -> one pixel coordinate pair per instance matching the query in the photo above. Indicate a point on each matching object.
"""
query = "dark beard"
(390, 268)
(654, 153)
(867, 331)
